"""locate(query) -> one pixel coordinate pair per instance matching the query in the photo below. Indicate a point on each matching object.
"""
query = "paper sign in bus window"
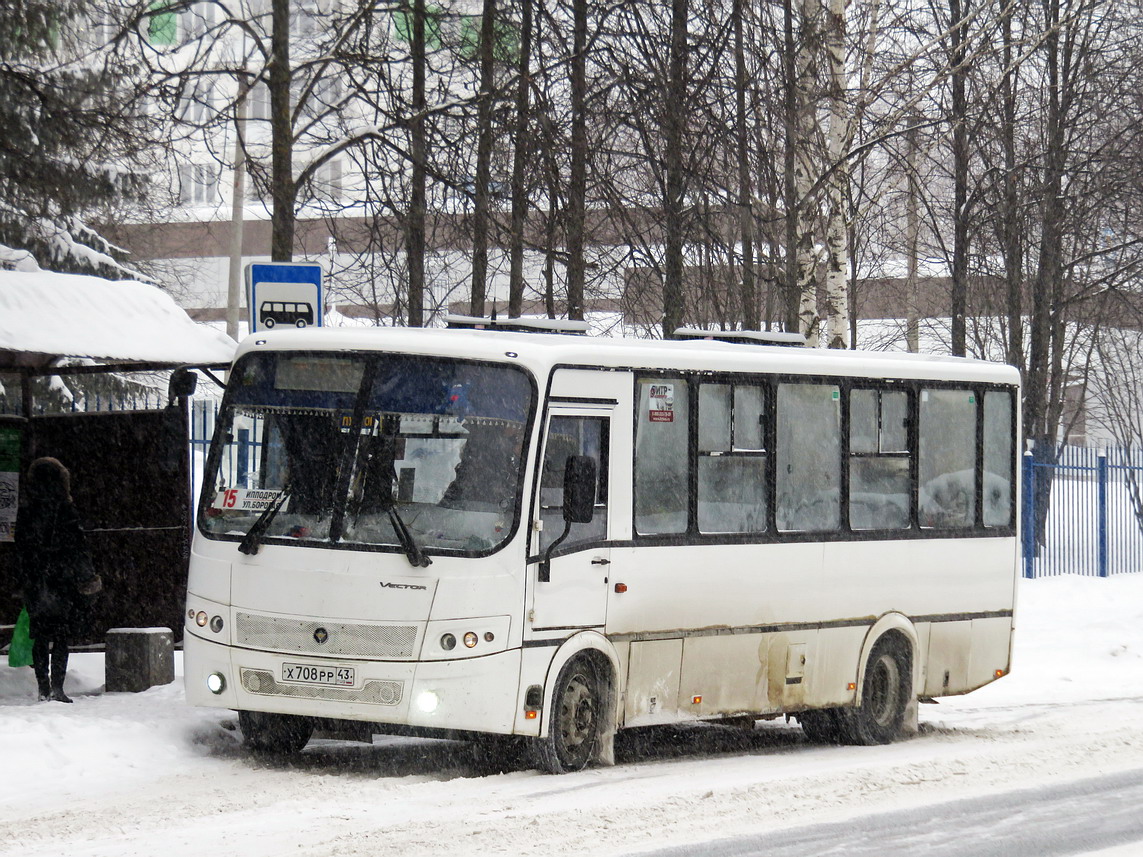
(662, 403)
(245, 499)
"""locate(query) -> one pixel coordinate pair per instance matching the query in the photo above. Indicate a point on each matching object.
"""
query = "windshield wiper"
(412, 550)
(253, 540)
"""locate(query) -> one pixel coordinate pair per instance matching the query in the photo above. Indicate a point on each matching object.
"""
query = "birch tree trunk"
(809, 324)
(837, 187)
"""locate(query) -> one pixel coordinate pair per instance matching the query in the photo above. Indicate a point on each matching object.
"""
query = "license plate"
(324, 676)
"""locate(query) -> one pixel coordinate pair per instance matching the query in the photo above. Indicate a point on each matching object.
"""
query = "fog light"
(216, 624)
(470, 639)
(428, 701)
(200, 618)
(448, 642)
(216, 683)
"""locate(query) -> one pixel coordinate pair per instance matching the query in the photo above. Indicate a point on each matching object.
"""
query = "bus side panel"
(918, 578)
(653, 674)
(688, 587)
(947, 668)
(991, 651)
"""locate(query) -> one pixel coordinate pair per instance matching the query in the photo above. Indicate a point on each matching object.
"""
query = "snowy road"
(1073, 818)
(1047, 761)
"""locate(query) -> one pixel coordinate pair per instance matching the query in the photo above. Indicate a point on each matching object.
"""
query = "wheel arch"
(896, 627)
(595, 646)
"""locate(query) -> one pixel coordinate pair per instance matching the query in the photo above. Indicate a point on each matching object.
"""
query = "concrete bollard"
(139, 658)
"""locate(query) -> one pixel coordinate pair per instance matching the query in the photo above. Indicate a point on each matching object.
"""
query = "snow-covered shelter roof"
(45, 316)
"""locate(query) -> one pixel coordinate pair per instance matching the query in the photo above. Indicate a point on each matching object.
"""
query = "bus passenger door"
(570, 586)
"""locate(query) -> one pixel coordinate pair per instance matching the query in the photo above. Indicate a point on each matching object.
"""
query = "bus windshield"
(351, 449)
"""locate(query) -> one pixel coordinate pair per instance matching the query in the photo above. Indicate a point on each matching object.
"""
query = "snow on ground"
(141, 774)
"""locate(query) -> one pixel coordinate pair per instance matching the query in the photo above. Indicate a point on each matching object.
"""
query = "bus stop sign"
(283, 294)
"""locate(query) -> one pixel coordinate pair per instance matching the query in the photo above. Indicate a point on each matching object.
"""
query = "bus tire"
(268, 323)
(885, 694)
(274, 733)
(823, 725)
(300, 323)
(576, 720)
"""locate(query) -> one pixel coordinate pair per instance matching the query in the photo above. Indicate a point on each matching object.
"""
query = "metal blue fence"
(1083, 513)
(240, 455)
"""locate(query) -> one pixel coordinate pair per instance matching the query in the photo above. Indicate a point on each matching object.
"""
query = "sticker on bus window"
(662, 403)
(245, 499)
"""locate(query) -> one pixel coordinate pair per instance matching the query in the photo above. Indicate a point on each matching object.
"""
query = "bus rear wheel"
(576, 718)
(884, 695)
(274, 733)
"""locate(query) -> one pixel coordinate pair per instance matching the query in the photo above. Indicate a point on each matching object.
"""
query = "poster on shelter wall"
(9, 481)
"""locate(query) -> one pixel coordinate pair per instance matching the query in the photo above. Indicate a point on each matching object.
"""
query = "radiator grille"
(273, 633)
(376, 692)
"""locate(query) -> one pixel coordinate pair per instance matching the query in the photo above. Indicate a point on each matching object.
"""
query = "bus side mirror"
(182, 384)
(579, 503)
(579, 489)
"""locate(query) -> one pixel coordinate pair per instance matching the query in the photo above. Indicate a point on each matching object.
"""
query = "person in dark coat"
(54, 567)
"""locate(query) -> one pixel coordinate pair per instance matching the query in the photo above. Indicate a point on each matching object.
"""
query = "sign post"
(284, 294)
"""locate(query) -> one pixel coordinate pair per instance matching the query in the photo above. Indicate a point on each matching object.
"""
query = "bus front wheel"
(576, 718)
(884, 695)
(274, 733)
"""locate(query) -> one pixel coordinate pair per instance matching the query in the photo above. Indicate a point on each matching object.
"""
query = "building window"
(197, 103)
(162, 25)
(258, 103)
(198, 184)
(327, 181)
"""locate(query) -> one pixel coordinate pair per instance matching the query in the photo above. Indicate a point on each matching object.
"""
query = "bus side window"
(662, 469)
(808, 458)
(880, 486)
(732, 490)
(998, 430)
(568, 436)
(947, 459)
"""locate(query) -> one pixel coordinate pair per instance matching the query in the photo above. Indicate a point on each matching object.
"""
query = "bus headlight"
(427, 701)
(216, 683)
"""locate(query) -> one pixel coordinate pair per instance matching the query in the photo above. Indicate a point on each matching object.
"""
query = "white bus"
(553, 537)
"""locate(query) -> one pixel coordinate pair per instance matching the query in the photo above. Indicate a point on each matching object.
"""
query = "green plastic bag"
(20, 651)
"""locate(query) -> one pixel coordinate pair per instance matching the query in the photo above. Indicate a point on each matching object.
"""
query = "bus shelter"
(75, 352)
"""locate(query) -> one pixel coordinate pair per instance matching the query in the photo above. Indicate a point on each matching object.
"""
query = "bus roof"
(541, 352)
